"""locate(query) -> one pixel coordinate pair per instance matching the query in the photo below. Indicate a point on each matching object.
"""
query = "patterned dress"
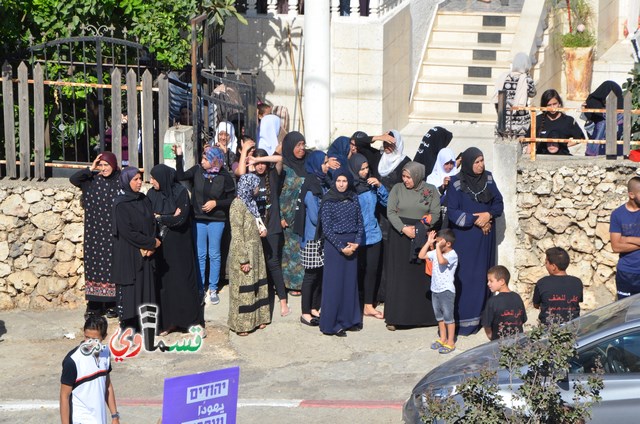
(517, 121)
(292, 268)
(249, 293)
(98, 194)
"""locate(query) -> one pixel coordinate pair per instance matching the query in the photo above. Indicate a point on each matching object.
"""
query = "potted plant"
(578, 45)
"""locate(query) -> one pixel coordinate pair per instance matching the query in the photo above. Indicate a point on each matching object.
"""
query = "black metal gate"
(76, 124)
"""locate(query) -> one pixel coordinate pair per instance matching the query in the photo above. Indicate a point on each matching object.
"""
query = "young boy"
(443, 292)
(504, 313)
(86, 391)
(557, 295)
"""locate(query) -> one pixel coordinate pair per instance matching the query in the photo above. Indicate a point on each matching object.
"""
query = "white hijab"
(438, 173)
(390, 161)
(269, 130)
(227, 127)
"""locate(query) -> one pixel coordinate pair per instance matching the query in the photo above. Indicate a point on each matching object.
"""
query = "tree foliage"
(536, 362)
(160, 25)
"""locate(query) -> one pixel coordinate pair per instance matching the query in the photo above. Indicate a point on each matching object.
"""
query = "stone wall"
(41, 233)
(568, 204)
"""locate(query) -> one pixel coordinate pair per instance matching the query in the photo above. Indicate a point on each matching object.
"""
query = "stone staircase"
(466, 52)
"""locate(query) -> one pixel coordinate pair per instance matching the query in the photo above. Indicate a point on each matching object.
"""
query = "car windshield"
(609, 316)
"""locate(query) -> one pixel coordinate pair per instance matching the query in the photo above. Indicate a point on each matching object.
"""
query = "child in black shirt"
(504, 313)
(557, 295)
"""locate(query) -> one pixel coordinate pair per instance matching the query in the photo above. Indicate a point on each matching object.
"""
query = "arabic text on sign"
(207, 391)
(218, 419)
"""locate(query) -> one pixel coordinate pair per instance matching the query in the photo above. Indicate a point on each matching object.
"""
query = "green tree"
(536, 362)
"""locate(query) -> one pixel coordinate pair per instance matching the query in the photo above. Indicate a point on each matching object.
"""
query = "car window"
(614, 355)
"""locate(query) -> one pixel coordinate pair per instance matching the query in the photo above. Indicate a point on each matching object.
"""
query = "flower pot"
(578, 68)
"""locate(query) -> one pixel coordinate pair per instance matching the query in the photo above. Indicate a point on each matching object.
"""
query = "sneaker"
(213, 298)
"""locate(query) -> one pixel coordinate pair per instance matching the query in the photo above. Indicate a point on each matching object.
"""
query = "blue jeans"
(209, 232)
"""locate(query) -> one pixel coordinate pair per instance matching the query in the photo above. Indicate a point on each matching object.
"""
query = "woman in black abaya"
(133, 249)
(180, 307)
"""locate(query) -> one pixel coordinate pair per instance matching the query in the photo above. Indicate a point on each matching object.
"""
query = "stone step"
(468, 51)
(484, 20)
(436, 102)
(458, 69)
(462, 35)
(451, 86)
(445, 117)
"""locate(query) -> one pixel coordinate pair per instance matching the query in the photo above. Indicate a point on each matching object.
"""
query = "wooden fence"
(138, 109)
(611, 139)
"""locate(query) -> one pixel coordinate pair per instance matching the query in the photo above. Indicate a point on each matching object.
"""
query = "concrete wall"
(609, 26)
(373, 63)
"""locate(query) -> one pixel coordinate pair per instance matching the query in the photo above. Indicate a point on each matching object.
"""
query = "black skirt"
(408, 287)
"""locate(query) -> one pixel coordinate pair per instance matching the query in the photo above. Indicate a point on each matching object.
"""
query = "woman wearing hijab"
(269, 207)
(342, 230)
(340, 149)
(473, 203)
(361, 143)
(370, 193)
(212, 194)
(598, 100)
(518, 87)
(248, 287)
(135, 242)
(443, 170)
(269, 132)
(293, 153)
(436, 139)
(440, 177)
(413, 210)
(176, 275)
(307, 214)
(227, 142)
(100, 184)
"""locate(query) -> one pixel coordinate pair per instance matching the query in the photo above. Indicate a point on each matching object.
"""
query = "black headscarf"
(475, 185)
(288, 158)
(598, 99)
(363, 145)
(355, 164)
(333, 195)
(125, 194)
(164, 200)
(436, 139)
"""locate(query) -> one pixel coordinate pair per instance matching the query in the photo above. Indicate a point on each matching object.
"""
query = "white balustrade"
(293, 7)
(355, 7)
(251, 8)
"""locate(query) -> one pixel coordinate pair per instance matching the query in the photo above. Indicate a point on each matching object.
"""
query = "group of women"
(342, 229)
(135, 245)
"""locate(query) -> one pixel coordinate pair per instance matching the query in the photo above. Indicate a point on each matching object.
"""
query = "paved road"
(289, 373)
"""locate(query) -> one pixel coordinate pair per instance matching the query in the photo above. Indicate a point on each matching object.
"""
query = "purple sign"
(206, 398)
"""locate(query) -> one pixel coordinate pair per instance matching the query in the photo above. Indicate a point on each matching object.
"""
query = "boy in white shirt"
(443, 292)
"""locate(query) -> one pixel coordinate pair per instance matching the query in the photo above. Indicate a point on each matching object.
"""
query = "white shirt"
(443, 275)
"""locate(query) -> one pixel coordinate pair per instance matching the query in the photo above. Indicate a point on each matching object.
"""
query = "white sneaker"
(213, 298)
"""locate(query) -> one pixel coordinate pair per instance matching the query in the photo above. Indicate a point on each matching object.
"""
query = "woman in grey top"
(413, 209)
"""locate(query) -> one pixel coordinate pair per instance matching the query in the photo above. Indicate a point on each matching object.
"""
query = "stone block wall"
(41, 234)
(568, 204)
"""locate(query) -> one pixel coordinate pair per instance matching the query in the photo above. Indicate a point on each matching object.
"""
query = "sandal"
(446, 349)
(295, 293)
(243, 334)
(436, 345)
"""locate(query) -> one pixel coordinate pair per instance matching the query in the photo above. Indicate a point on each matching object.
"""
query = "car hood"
(463, 366)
